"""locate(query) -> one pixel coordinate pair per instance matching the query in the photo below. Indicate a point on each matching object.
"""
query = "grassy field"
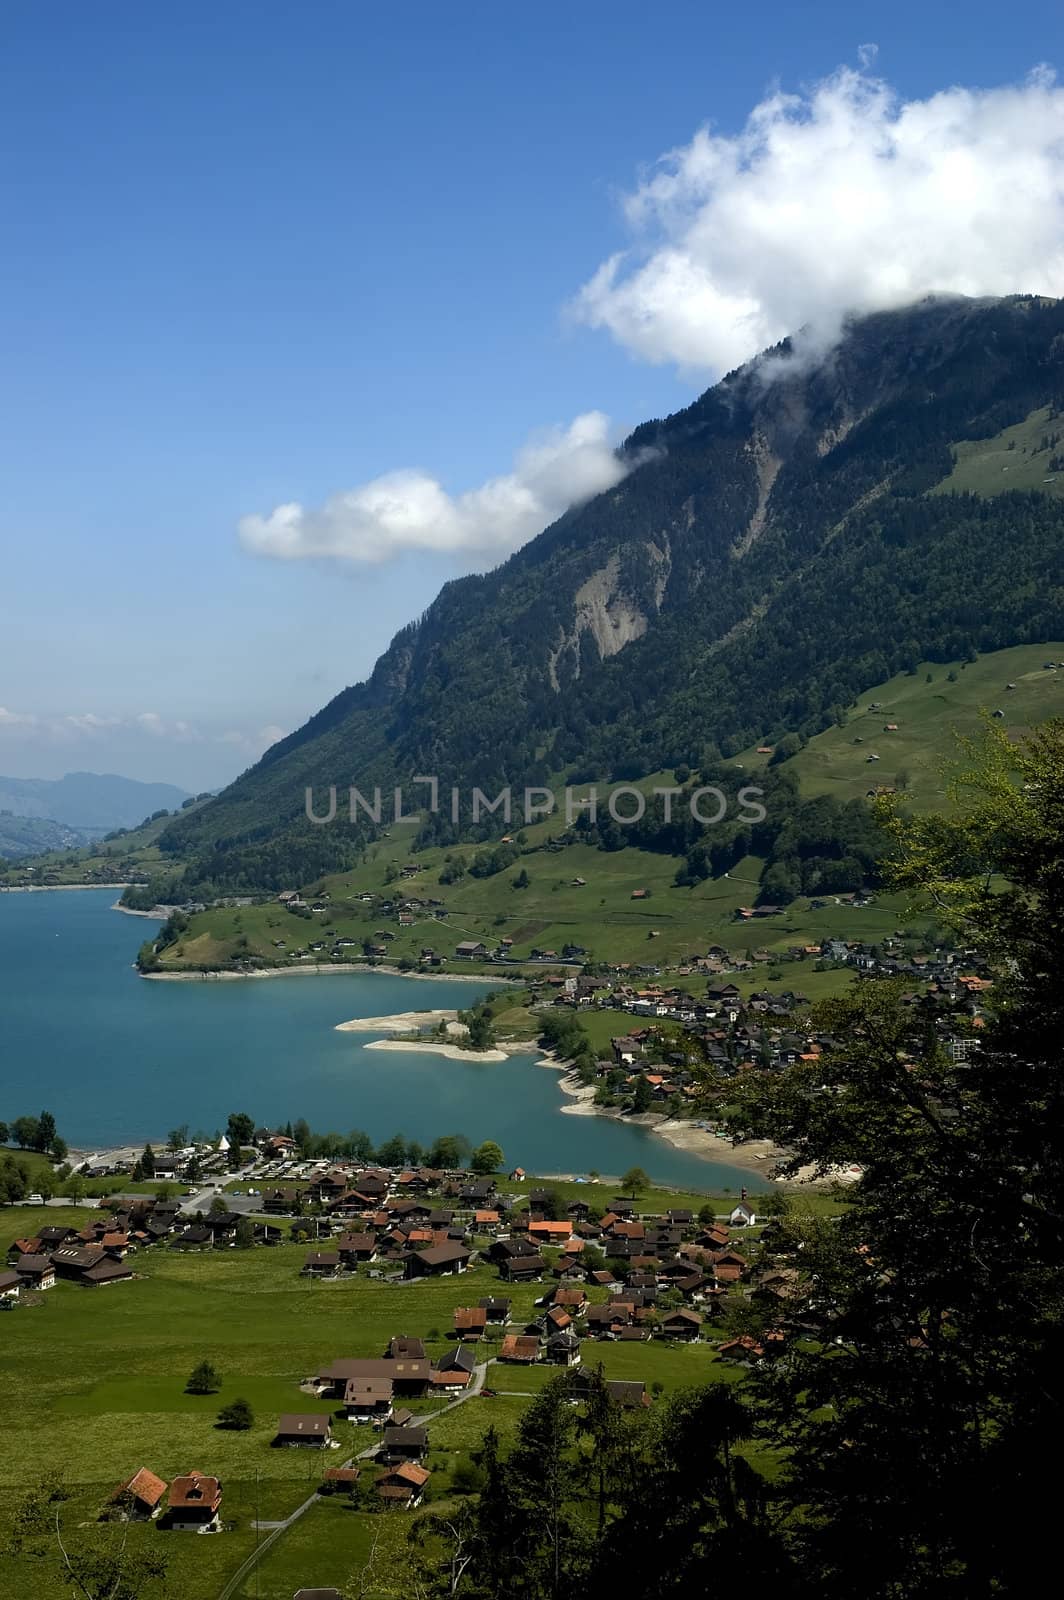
(598, 915)
(931, 708)
(1016, 458)
(93, 1385)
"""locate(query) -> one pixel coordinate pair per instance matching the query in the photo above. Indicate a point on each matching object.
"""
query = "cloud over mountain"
(840, 199)
(409, 510)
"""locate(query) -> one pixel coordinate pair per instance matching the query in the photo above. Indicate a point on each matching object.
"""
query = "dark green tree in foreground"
(939, 1292)
(635, 1182)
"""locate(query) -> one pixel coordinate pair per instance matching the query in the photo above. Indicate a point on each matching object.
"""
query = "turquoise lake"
(118, 1059)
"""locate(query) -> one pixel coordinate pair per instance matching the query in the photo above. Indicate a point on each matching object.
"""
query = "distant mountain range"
(804, 530)
(81, 804)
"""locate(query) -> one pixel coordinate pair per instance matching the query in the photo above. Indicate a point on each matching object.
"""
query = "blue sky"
(255, 254)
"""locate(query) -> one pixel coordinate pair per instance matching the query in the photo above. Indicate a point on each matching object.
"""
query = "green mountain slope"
(773, 553)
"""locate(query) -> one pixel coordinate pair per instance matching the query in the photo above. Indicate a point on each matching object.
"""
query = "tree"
(45, 1183)
(147, 1162)
(240, 1129)
(24, 1132)
(487, 1157)
(642, 1095)
(945, 1344)
(5, 1133)
(522, 881)
(302, 1135)
(75, 1188)
(449, 1152)
(45, 1131)
(218, 1207)
(392, 1152)
(245, 1234)
(203, 1379)
(58, 1149)
(177, 1139)
(237, 1415)
(635, 1182)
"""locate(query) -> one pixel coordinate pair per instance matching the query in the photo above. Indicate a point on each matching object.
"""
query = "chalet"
(355, 1247)
(742, 1216)
(194, 1503)
(550, 1232)
(496, 1311)
(403, 1486)
(520, 1348)
(438, 1261)
(404, 1444)
(35, 1272)
(522, 1268)
(570, 1298)
(105, 1271)
(471, 950)
(681, 1324)
(303, 1429)
(564, 1349)
(10, 1284)
(470, 1322)
(70, 1261)
(280, 1202)
(322, 1264)
(477, 1191)
(139, 1499)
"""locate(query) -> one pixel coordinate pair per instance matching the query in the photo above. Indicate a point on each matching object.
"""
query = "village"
(557, 1284)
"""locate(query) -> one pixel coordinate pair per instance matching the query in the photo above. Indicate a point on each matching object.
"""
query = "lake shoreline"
(757, 1157)
(347, 969)
(55, 888)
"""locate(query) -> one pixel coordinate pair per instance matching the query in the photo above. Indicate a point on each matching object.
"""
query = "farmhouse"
(195, 1501)
(139, 1498)
(403, 1486)
(35, 1272)
(520, 1348)
(303, 1428)
(438, 1261)
(404, 1444)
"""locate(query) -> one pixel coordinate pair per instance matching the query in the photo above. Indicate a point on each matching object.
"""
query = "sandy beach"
(437, 1047)
(399, 1022)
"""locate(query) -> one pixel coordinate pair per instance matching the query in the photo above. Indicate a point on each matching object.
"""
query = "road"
(248, 1567)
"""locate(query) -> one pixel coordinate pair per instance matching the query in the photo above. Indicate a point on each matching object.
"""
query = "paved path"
(278, 1529)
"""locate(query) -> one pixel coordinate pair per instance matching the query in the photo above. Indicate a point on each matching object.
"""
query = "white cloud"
(408, 510)
(252, 743)
(841, 199)
(15, 719)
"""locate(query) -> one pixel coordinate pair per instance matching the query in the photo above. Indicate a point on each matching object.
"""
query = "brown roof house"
(309, 1429)
(35, 1272)
(403, 1486)
(438, 1261)
(138, 1499)
(195, 1501)
(519, 1347)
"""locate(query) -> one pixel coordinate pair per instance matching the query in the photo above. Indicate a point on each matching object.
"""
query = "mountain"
(88, 801)
(34, 836)
(807, 528)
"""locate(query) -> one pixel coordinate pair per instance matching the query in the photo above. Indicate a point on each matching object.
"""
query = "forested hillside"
(773, 552)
